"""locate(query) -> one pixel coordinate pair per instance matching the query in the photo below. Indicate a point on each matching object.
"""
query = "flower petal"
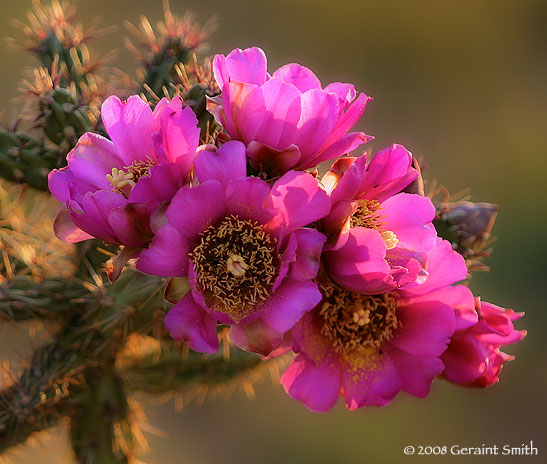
(299, 76)
(256, 337)
(316, 385)
(289, 302)
(227, 163)
(130, 126)
(187, 322)
(308, 254)
(167, 255)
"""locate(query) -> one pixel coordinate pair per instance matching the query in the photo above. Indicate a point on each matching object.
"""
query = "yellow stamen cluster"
(236, 263)
(355, 322)
(123, 180)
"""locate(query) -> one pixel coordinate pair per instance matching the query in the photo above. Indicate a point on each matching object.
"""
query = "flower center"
(367, 215)
(355, 322)
(236, 264)
(123, 180)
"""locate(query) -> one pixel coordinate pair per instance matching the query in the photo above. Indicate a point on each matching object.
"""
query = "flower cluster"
(345, 269)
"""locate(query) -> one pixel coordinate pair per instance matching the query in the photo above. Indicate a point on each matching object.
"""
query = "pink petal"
(345, 93)
(193, 210)
(416, 372)
(289, 302)
(264, 158)
(256, 337)
(187, 322)
(347, 121)
(92, 159)
(346, 144)
(445, 267)
(388, 173)
(162, 183)
(360, 264)
(271, 114)
(179, 137)
(246, 198)
(227, 163)
(308, 254)
(425, 327)
(465, 360)
(167, 255)
(299, 76)
(371, 380)
(130, 126)
(409, 217)
(299, 200)
(131, 223)
(66, 230)
(316, 385)
(58, 183)
(247, 65)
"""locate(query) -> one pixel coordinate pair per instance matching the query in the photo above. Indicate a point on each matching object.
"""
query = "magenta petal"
(465, 360)
(269, 114)
(264, 158)
(256, 337)
(66, 230)
(193, 210)
(92, 159)
(360, 264)
(58, 183)
(459, 298)
(345, 93)
(316, 385)
(374, 381)
(416, 372)
(445, 267)
(161, 184)
(247, 65)
(308, 254)
(187, 322)
(299, 200)
(289, 302)
(245, 198)
(299, 76)
(348, 120)
(317, 121)
(96, 208)
(179, 137)
(425, 327)
(342, 146)
(227, 163)
(388, 173)
(409, 217)
(167, 255)
(130, 126)
(131, 223)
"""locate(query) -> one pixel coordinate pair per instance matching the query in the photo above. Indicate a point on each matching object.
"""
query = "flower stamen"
(236, 264)
(355, 322)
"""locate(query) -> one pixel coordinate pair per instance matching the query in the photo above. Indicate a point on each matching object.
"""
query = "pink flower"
(369, 347)
(473, 357)
(379, 237)
(243, 245)
(287, 121)
(111, 187)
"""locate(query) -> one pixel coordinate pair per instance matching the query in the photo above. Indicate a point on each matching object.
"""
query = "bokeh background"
(459, 82)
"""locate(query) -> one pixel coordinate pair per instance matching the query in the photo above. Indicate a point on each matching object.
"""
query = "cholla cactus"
(194, 220)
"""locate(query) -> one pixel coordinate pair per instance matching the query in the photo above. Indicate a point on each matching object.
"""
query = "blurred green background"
(459, 82)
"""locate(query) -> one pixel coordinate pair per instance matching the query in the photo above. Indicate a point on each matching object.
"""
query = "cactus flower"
(473, 357)
(286, 120)
(112, 187)
(369, 347)
(379, 238)
(243, 245)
